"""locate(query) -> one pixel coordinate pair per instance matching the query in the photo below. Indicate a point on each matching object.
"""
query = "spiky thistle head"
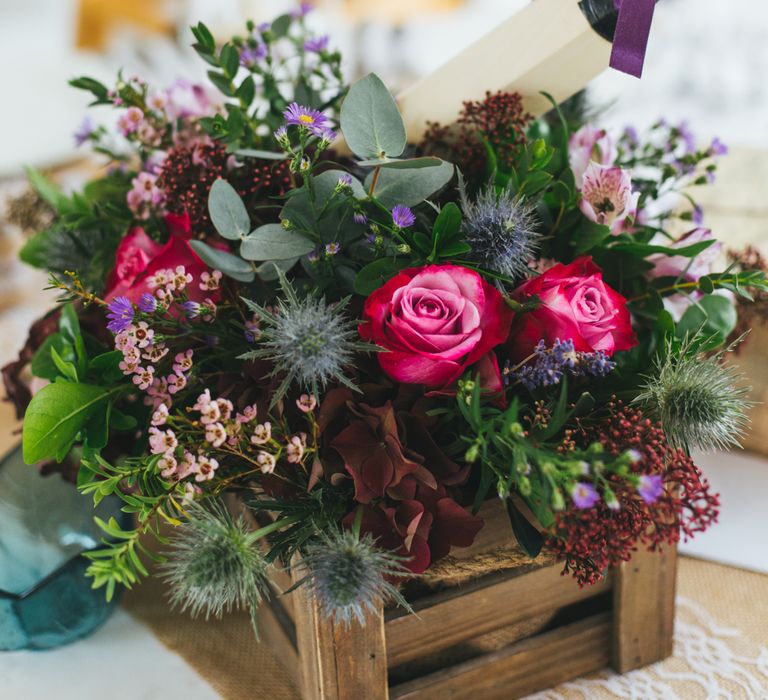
(697, 399)
(500, 228)
(309, 341)
(350, 575)
(215, 563)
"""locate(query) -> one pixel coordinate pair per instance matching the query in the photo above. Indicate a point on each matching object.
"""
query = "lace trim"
(704, 665)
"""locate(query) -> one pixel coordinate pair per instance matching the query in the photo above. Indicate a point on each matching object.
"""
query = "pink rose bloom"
(589, 144)
(138, 257)
(607, 197)
(435, 322)
(575, 305)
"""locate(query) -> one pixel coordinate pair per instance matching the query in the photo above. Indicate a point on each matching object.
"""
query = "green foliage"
(273, 242)
(231, 265)
(409, 187)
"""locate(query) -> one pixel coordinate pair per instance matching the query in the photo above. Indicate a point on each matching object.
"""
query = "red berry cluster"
(593, 539)
(189, 171)
(499, 120)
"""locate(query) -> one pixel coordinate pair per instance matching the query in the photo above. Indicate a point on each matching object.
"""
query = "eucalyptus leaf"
(270, 271)
(409, 187)
(402, 163)
(56, 415)
(256, 153)
(712, 316)
(230, 265)
(228, 213)
(370, 120)
(273, 242)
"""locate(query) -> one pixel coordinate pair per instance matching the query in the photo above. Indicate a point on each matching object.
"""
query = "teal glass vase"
(45, 526)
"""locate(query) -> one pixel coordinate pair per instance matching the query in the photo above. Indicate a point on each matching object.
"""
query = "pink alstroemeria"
(589, 144)
(607, 197)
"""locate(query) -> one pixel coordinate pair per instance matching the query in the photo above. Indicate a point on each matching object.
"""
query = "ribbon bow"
(631, 36)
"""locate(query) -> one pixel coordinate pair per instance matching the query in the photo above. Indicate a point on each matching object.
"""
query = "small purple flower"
(332, 249)
(718, 148)
(264, 27)
(402, 216)
(251, 55)
(345, 180)
(584, 495)
(360, 218)
(120, 314)
(314, 256)
(84, 132)
(303, 10)
(650, 487)
(316, 44)
(147, 303)
(631, 136)
(311, 119)
(328, 135)
(192, 309)
(281, 135)
(697, 215)
(689, 138)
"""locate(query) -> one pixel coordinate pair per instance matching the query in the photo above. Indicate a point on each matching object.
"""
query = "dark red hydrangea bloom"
(188, 172)
(593, 539)
(500, 119)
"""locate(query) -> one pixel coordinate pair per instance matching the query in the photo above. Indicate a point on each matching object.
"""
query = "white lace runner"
(710, 662)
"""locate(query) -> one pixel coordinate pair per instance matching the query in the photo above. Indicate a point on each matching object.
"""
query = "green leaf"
(42, 364)
(231, 265)
(270, 271)
(535, 182)
(644, 249)
(373, 275)
(401, 163)
(204, 37)
(370, 120)
(454, 249)
(230, 60)
(47, 189)
(228, 213)
(67, 369)
(712, 316)
(256, 153)
(223, 83)
(106, 367)
(528, 537)
(281, 25)
(97, 89)
(409, 187)
(56, 415)
(247, 90)
(588, 235)
(273, 242)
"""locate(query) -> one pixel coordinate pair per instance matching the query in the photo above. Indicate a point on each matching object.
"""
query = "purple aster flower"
(718, 148)
(192, 309)
(251, 55)
(264, 26)
(303, 10)
(316, 44)
(630, 134)
(328, 135)
(698, 215)
(281, 135)
(120, 314)
(84, 132)
(311, 119)
(345, 180)
(332, 249)
(402, 216)
(360, 218)
(584, 495)
(650, 487)
(147, 303)
(314, 256)
(689, 138)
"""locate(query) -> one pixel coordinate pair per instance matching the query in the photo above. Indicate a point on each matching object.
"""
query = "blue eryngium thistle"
(697, 399)
(500, 229)
(215, 563)
(309, 341)
(349, 575)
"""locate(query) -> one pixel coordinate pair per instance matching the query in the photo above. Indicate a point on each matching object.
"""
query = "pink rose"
(138, 257)
(435, 322)
(589, 144)
(607, 197)
(575, 305)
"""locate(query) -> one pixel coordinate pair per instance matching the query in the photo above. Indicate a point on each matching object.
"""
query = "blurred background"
(706, 64)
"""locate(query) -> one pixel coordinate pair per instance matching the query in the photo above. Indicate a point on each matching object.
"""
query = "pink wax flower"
(130, 121)
(607, 197)
(589, 144)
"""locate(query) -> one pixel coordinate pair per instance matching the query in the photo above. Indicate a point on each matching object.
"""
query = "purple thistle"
(650, 487)
(251, 55)
(84, 132)
(147, 303)
(311, 119)
(120, 314)
(360, 218)
(317, 44)
(402, 216)
(584, 495)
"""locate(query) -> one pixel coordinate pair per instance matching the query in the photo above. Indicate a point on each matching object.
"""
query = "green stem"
(274, 526)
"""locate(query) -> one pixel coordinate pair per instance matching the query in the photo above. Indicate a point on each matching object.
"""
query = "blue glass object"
(45, 526)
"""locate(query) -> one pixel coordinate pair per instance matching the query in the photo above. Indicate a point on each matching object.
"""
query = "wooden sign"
(548, 46)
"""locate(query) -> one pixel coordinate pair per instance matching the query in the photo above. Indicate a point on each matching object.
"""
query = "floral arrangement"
(269, 292)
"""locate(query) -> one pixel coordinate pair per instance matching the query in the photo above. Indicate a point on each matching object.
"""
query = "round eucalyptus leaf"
(228, 213)
(273, 242)
(230, 265)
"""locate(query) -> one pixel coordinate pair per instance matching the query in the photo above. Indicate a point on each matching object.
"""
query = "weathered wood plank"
(338, 662)
(512, 57)
(644, 609)
(520, 669)
(454, 616)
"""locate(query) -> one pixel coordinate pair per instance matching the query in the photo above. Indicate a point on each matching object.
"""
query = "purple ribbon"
(631, 38)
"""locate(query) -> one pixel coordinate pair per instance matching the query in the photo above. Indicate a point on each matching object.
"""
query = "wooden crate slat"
(522, 668)
(452, 617)
(644, 609)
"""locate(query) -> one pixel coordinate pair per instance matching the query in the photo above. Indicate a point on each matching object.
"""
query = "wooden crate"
(503, 635)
